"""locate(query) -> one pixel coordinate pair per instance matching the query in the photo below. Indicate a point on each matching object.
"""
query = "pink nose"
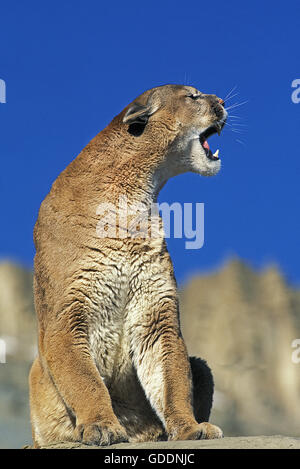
(221, 101)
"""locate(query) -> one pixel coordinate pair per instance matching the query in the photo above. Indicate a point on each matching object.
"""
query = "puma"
(112, 363)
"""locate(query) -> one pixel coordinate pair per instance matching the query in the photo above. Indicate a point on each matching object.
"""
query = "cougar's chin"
(202, 160)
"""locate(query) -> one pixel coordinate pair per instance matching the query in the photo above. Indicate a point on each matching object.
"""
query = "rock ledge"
(242, 442)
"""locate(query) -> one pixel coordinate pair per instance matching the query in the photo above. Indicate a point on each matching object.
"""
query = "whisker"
(230, 97)
(233, 129)
(231, 91)
(227, 123)
(236, 105)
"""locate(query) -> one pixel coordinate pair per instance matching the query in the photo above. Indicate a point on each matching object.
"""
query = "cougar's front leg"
(65, 352)
(162, 363)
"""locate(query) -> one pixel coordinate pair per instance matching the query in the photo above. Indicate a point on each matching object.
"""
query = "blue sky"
(70, 67)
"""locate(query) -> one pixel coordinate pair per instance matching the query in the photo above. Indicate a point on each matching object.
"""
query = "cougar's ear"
(139, 113)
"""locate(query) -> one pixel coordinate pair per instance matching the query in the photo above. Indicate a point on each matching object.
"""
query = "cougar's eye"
(194, 96)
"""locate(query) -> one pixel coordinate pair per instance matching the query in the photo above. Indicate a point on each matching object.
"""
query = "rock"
(243, 324)
(242, 442)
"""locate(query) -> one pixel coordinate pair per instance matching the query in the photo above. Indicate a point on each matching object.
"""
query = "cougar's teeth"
(216, 154)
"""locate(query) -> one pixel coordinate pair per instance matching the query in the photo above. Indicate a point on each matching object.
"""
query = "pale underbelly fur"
(110, 347)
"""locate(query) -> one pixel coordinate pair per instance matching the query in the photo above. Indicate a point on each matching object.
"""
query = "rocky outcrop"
(18, 331)
(243, 323)
(17, 317)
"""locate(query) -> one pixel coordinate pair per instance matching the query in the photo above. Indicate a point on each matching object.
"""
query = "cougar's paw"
(206, 431)
(101, 434)
(201, 431)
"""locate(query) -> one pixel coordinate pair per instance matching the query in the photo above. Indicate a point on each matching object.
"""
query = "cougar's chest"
(116, 294)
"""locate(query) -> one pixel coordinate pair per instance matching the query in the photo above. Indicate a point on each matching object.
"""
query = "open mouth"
(211, 130)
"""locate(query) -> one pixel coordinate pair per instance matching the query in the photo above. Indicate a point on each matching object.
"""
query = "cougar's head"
(179, 120)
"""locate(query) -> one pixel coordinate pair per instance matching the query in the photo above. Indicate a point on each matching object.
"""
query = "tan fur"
(112, 363)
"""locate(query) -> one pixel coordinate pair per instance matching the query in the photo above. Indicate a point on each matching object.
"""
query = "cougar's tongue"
(205, 145)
